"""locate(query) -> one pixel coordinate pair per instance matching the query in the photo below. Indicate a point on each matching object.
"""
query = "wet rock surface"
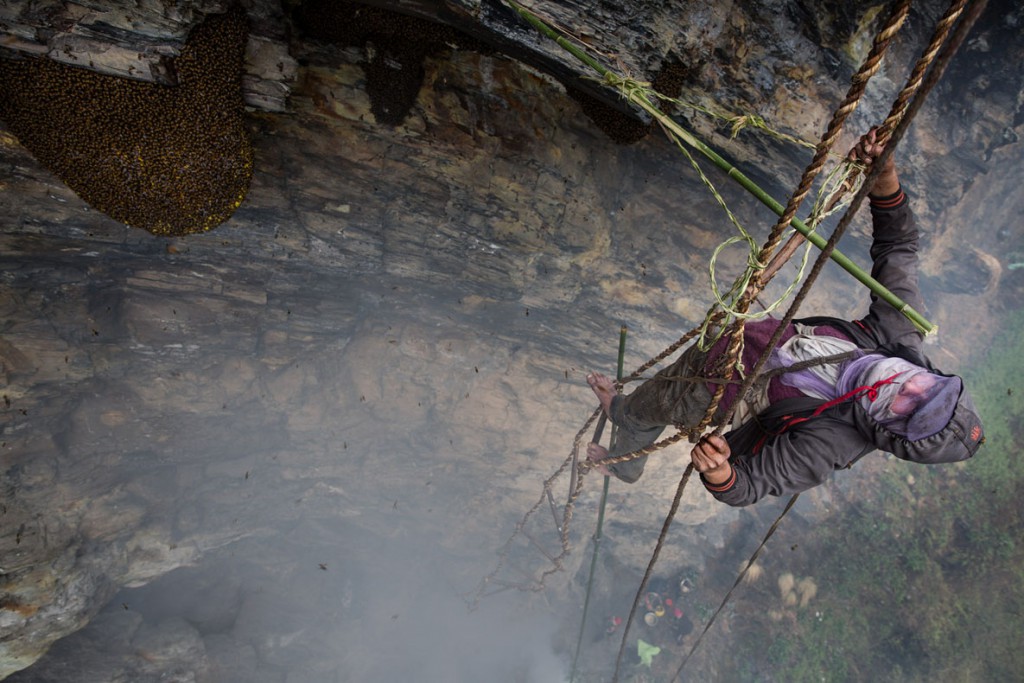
(286, 450)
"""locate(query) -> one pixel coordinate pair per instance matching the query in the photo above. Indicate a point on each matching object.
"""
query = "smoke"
(317, 601)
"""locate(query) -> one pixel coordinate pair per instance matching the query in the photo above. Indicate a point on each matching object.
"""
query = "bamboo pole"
(600, 523)
(639, 98)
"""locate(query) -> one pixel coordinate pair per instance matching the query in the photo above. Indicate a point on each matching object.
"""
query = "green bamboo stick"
(639, 98)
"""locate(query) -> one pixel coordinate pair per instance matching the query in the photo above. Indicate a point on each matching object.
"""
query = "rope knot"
(872, 391)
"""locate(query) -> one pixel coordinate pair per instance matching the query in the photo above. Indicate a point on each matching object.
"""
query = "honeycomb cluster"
(397, 44)
(620, 126)
(171, 160)
(616, 124)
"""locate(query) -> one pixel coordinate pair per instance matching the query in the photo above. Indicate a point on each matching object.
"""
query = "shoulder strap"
(862, 335)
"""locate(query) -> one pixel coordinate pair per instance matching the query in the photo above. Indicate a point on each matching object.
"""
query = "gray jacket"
(770, 460)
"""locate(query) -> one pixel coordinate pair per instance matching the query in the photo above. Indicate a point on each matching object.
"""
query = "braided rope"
(858, 85)
(715, 317)
(916, 77)
(908, 113)
(896, 113)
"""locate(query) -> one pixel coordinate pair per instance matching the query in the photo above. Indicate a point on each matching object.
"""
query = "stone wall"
(390, 334)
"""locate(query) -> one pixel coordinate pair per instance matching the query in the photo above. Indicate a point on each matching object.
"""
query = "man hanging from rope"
(835, 390)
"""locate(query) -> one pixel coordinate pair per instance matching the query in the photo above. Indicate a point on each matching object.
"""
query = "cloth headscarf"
(879, 377)
(886, 375)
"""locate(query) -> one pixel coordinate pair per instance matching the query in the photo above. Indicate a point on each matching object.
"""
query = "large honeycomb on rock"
(172, 160)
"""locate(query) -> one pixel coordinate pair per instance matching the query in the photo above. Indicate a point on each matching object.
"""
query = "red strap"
(870, 391)
(861, 325)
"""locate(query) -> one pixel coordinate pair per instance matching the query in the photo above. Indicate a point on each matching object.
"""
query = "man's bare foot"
(604, 389)
(596, 454)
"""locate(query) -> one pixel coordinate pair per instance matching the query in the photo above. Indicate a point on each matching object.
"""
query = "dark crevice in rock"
(396, 45)
(618, 126)
(624, 128)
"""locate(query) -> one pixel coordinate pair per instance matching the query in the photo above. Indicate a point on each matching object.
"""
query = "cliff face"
(329, 412)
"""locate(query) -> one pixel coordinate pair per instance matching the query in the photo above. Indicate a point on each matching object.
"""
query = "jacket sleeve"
(894, 256)
(791, 462)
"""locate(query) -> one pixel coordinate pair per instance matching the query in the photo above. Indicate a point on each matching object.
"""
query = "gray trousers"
(676, 395)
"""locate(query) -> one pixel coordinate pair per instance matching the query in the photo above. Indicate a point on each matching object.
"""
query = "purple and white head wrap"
(886, 376)
(880, 378)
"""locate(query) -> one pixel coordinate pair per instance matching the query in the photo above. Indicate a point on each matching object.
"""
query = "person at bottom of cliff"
(871, 386)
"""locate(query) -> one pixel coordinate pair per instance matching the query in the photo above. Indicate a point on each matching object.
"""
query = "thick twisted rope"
(856, 91)
(907, 112)
(907, 115)
(916, 77)
(716, 317)
(828, 140)
(849, 104)
(896, 113)
(858, 85)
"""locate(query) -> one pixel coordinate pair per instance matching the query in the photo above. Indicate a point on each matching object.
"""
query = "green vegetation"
(923, 581)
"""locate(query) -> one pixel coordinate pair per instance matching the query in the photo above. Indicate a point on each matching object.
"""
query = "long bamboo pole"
(600, 522)
(639, 98)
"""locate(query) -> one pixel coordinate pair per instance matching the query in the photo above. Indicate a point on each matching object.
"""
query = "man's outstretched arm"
(894, 249)
(788, 463)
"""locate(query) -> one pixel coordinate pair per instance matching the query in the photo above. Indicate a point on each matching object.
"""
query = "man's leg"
(677, 394)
